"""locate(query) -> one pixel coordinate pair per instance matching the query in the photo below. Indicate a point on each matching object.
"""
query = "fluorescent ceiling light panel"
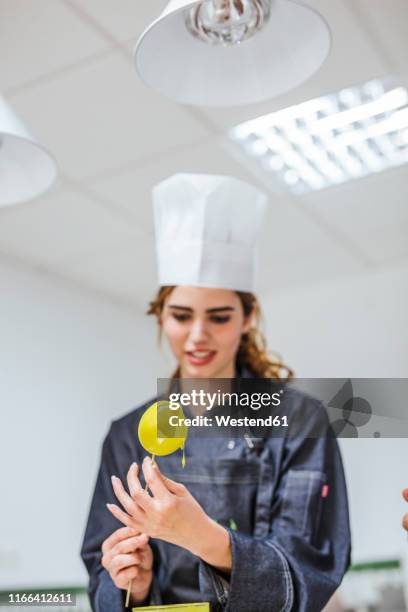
(332, 139)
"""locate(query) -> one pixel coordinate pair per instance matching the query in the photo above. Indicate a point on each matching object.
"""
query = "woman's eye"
(220, 319)
(181, 317)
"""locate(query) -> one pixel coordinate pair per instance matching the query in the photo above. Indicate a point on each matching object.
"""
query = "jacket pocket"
(302, 501)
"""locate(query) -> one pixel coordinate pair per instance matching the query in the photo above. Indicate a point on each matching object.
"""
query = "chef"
(249, 525)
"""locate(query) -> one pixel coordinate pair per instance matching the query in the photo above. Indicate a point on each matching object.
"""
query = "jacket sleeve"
(301, 560)
(103, 594)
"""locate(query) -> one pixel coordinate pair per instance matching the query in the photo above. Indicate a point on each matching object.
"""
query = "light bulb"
(227, 22)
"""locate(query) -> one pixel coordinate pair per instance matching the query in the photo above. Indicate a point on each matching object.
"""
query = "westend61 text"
(227, 421)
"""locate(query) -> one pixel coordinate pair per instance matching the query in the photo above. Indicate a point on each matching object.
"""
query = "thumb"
(142, 540)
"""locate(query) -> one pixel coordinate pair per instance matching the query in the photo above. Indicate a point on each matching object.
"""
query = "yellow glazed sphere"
(149, 432)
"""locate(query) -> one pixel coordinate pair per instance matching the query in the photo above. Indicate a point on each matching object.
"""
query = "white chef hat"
(206, 231)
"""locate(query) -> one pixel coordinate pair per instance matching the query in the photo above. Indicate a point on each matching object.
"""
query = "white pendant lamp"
(231, 52)
(26, 168)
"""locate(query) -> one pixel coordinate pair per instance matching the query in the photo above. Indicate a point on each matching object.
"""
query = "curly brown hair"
(252, 351)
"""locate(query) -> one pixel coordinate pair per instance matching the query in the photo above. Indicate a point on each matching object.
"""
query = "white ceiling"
(66, 67)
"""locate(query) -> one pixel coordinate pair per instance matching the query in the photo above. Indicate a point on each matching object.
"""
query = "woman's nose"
(199, 331)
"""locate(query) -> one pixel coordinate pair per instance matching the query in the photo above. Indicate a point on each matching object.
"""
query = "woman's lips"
(200, 358)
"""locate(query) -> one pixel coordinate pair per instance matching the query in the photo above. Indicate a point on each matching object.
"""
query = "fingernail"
(109, 506)
(134, 464)
(114, 478)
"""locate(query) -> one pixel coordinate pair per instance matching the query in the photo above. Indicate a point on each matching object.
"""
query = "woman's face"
(204, 329)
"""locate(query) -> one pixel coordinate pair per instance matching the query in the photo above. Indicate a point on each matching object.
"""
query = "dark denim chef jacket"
(283, 500)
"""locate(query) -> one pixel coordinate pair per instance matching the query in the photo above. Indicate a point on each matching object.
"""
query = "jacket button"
(231, 444)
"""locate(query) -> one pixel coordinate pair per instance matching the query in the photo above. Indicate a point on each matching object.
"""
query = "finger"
(405, 494)
(122, 561)
(137, 544)
(131, 544)
(114, 560)
(142, 558)
(129, 521)
(405, 521)
(125, 499)
(122, 578)
(154, 479)
(117, 536)
(144, 502)
(133, 480)
(135, 572)
(146, 560)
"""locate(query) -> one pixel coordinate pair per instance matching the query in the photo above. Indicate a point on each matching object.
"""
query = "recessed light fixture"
(332, 139)
(231, 52)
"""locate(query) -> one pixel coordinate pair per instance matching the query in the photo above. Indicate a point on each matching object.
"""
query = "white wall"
(355, 327)
(376, 473)
(352, 327)
(69, 364)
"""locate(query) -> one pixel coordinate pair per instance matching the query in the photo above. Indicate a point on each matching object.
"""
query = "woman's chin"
(201, 372)
(212, 370)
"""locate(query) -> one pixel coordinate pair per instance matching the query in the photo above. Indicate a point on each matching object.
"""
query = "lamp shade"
(289, 48)
(26, 168)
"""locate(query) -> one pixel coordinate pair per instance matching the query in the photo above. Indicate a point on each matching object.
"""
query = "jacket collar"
(242, 371)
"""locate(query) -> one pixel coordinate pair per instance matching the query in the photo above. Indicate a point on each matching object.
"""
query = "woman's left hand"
(171, 513)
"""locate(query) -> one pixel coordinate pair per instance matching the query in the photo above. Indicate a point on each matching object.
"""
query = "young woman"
(249, 525)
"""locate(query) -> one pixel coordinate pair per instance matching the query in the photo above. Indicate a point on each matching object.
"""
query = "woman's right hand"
(127, 556)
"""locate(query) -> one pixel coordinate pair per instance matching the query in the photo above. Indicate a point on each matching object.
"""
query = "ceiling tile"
(41, 37)
(100, 117)
(124, 24)
(371, 212)
(288, 231)
(322, 262)
(62, 226)
(132, 189)
(126, 273)
(354, 58)
(294, 250)
(388, 21)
